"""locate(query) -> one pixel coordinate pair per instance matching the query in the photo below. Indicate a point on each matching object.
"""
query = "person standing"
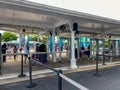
(11, 51)
(26, 51)
(4, 52)
(15, 51)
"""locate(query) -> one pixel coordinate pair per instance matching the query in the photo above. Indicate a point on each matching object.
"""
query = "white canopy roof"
(18, 14)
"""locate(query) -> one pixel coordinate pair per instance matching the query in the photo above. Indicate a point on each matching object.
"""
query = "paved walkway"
(12, 69)
(109, 80)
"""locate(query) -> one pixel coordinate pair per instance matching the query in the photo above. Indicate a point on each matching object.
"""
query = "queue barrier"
(58, 73)
(104, 55)
(21, 68)
(22, 54)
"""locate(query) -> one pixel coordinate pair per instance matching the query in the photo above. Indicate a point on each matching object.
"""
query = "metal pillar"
(119, 47)
(93, 40)
(0, 56)
(109, 45)
(69, 49)
(114, 47)
(54, 56)
(97, 47)
(103, 44)
(21, 73)
(48, 49)
(73, 60)
(97, 53)
(60, 57)
(103, 52)
(78, 49)
(90, 48)
(31, 84)
(20, 36)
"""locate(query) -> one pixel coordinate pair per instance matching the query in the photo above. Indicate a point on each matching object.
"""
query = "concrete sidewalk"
(108, 81)
(11, 78)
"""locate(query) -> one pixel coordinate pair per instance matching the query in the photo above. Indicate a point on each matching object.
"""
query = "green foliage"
(42, 39)
(33, 37)
(8, 36)
(106, 43)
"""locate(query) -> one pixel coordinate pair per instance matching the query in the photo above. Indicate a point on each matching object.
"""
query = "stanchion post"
(97, 71)
(31, 84)
(59, 80)
(21, 75)
(97, 53)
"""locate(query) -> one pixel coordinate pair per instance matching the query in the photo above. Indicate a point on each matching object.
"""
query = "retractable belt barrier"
(73, 82)
(22, 54)
(60, 76)
(104, 55)
(21, 68)
(109, 55)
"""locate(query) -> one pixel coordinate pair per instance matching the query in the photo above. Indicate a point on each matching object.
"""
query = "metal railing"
(58, 73)
(21, 68)
(22, 54)
(103, 55)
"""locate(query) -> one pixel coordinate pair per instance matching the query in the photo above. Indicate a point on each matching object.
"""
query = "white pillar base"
(73, 64)
(54, 57)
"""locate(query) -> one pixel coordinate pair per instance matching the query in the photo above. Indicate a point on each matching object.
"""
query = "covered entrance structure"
(38, 18)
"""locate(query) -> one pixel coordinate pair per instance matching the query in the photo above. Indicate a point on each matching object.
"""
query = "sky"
(105, 8)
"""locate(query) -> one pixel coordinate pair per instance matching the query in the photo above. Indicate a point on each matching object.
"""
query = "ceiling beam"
(25, 23)
(53, 11)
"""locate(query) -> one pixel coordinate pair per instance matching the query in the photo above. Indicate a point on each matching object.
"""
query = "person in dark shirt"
(4, 52)
(15, 51)
(88, 51)
(82, 50)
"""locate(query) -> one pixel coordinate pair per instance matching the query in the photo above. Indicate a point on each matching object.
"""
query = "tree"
(33, 37)
(8, 36)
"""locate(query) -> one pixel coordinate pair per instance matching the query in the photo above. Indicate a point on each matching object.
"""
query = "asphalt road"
(109, 80)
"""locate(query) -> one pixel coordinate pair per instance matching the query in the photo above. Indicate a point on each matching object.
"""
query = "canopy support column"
(0, 55)
(91, 48)
(78, 49)
(97, 47)
(47, 43)
(103, 44)
(69, 48)
(54, 56)
(60, 57)
(20, 36)
(119, 47)
(73, 60)
(114, 47)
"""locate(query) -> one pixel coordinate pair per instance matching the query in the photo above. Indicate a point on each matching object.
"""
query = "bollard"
(22, 75)
(31, 84)
(97, 71)
(59, 81)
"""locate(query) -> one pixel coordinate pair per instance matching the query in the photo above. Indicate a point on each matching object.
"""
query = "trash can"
(43, 57)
